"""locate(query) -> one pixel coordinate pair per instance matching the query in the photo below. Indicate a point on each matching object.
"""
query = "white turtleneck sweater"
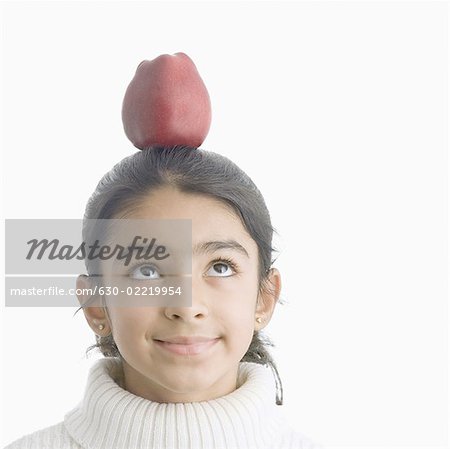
(110, 417)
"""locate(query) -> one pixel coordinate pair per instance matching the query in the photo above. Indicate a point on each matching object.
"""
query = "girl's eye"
(221, 268)
(145, 272)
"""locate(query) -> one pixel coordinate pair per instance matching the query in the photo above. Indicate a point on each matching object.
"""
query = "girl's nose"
(199, 308)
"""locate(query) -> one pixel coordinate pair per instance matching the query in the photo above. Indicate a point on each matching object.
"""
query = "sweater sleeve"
(53, 437)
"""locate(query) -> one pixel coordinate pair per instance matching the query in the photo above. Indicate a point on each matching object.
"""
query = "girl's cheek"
(232, 294)
(230, 283)
(130, 318)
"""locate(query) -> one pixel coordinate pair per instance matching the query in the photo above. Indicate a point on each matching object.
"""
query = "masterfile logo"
(130, 262)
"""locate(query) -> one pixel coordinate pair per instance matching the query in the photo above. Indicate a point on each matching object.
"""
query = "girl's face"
(225, 304)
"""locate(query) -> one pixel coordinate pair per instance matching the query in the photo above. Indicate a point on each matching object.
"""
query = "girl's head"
(234, 287)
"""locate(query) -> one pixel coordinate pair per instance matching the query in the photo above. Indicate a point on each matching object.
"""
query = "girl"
(177, 377)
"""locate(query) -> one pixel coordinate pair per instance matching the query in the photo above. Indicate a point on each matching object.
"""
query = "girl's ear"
(96, 317)
(267, 299)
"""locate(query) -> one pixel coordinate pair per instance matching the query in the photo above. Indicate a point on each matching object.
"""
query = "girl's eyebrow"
(210, 247)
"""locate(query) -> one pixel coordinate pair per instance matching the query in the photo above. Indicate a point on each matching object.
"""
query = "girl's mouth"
(187, 345)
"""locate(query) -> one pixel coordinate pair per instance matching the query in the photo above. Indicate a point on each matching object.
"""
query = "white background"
(338, 112)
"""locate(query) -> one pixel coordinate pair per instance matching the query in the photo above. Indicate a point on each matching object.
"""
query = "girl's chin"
(177, 380)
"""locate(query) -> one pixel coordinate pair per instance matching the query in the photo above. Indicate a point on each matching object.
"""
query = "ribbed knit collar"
(110, 417)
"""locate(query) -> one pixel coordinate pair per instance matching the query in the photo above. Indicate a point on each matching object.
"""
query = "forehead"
(212, 219)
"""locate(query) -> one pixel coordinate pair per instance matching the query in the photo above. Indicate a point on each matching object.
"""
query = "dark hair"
(197, 171)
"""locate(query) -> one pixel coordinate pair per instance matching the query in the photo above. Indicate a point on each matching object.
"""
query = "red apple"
(166, 103)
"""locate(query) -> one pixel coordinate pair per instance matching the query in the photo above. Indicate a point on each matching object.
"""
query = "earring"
(101, 326)
(259, 319)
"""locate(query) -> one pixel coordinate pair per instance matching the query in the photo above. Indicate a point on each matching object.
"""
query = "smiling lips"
(186, 345)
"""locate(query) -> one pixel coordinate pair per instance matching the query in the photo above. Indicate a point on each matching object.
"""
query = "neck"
(111, 417)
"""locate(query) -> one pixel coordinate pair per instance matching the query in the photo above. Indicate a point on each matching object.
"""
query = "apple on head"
(166, 103)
